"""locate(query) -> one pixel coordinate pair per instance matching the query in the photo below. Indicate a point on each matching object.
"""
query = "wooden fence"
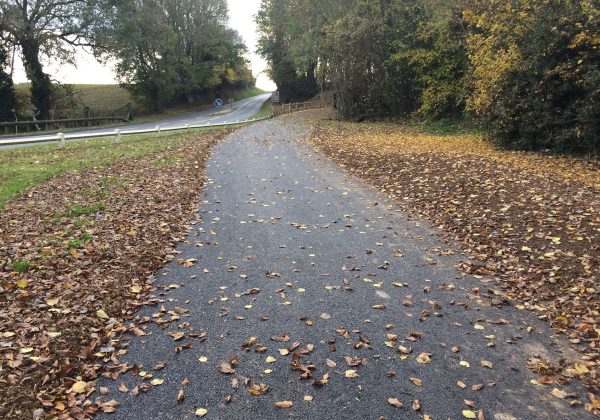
(16, 127)
(282, 109)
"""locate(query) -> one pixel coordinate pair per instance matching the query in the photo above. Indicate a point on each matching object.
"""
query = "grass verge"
(78, 252)
(26, 167)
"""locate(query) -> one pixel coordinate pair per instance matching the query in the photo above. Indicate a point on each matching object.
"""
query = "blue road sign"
(218, 103)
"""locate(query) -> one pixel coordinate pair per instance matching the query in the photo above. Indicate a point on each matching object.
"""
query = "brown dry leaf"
(284, 404)
(487, 364)
(177, 335)
(395, 402)
(331, 363)
(226, 368)
(416, 405)
(424, 358)
(323, 381)
(123, 388)
(180, 396)
(416, 381)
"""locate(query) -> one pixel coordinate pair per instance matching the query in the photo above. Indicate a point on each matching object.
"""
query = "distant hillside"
(105, 100)
(101, 99)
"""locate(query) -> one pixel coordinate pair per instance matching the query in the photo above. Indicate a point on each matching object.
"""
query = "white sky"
(88, 70)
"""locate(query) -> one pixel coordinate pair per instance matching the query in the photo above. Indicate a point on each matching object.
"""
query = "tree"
(170, 50)
(293, 70)
(7, 93)
(46, 28)
(535, 67)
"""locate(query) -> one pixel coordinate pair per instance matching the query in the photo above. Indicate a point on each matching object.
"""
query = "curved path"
(304, 258)
(244, 109)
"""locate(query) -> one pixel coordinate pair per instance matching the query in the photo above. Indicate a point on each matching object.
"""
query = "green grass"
(74, 244)
(101, 99)
(26, 167)
(265, 110)
(21, 266)
(77, 210)
(448, 127)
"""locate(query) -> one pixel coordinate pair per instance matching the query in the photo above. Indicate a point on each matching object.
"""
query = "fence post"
(157, 128)
(187, 127)
(61, 140)
(117, 136)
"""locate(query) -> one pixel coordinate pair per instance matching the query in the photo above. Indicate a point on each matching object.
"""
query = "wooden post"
(61, 140)
(187, 127)
(117, 136)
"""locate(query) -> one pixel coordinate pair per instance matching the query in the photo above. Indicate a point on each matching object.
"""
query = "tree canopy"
(172, 49)
(527, 70)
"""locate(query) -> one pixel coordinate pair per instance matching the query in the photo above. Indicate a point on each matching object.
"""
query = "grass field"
(107, 99)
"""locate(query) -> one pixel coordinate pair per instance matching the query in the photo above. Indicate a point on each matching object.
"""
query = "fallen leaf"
(201, 412)
(395, 402)
(284, 404)
(424, 358)
(101, 314)
(226, 368)
(79, 387)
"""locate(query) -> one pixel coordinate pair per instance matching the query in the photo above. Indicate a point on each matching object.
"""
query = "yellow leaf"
(79, 387)
(101, 314)
(26, 350)
(271, 359)
(468, 414)
(479, 327)
(351, 373)
(157, 381)
(464, 363)
(21, 284)
(135, 289)
(203, 359)
(284, 352)
(201, 412)
(54, 334)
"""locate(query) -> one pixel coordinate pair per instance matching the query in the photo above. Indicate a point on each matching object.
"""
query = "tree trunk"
(7, 93)
(41, 87)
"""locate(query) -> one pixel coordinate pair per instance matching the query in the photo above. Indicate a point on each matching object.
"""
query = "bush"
(536, 73)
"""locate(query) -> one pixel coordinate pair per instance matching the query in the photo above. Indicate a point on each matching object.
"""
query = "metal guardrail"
(62, 138)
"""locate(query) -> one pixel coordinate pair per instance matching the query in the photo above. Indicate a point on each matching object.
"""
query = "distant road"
(244, 109)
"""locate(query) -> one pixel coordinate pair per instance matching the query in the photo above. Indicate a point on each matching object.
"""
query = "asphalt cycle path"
(301, 292)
